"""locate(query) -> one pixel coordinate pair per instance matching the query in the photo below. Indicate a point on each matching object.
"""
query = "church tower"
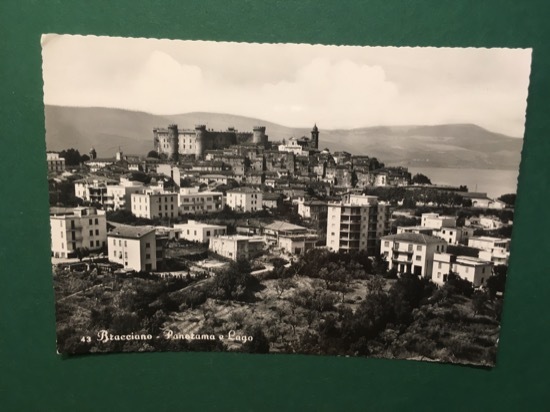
(92, 154)
(315, 137)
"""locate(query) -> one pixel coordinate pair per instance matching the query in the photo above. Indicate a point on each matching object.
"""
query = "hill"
(450, 145)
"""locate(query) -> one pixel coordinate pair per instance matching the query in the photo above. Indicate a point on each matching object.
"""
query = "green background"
(33, 377)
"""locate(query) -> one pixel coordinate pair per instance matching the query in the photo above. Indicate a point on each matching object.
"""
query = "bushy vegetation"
(322, 303)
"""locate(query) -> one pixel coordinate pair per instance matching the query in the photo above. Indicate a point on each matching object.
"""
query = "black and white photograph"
(281, 198)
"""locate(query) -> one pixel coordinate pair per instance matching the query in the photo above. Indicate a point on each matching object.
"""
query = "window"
(119, 242)
(125, 243)
(97, 243)
(90, 222)
(147, 245)
(114, 242)
(207, 233)
(386, 243)
(418, 258)
(125, 255)
(91, 243)
(91, 232)
(97, 231)
(147, 256)
(439, 265)
(96, 221)
(419, 248)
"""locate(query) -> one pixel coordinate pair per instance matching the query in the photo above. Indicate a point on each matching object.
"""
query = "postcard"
(281, 198)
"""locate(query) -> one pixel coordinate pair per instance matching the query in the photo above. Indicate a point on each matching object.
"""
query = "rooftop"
(131, 232)
(414, 238)
(280, 225)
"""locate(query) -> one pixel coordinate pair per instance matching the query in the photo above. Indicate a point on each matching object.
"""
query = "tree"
(497, 282)
(153, 154)
(71, 156)
(455, 284)
(420, 179)
(235, 283)
(478, 302)
(509, 199)
(258, 344)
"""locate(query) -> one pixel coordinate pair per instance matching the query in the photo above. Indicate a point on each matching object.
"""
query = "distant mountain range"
(448, 145)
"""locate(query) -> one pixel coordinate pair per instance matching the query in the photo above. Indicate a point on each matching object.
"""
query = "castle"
(173, 142)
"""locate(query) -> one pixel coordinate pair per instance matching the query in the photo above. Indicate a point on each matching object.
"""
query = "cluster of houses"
(252, 177)
(357, 223)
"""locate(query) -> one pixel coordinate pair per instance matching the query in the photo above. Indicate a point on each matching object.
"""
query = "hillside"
(453, 145)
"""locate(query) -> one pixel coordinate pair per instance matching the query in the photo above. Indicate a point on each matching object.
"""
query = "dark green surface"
(33, 377)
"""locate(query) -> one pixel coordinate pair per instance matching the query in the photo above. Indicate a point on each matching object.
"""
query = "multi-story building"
(244, 199)
(191, 200)
(118, 197)
(412, 252)
(56, 163)
(237, 247)
(469, 268)
(436, 221)
(357, 223)
(134, 247)
(152, 204)
(445, 228)
(199, 232)
(77, 229)
(492, 249)
(272, 200)
(93, 189)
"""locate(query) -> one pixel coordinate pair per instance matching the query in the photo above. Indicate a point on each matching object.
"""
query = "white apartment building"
(436, 221)
(191, 200)
(489, 243)
(291, 238)
(118, 197)
(492, 249)
(445, 228)
(134, 247)
(412, 252)
(237, 246)
(151, 204)
(472, 269)
(93, 190)
(78, 228)
(357, 223)
(170, 171)
(244, 199)
(56, 164)
(199, 232)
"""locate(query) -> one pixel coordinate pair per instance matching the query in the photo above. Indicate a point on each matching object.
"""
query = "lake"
(493, 182)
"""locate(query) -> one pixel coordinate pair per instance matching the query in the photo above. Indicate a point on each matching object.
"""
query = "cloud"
(164, 85)
(290, 84)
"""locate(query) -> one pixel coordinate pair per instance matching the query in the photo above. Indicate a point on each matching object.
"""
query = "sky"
(293, 85)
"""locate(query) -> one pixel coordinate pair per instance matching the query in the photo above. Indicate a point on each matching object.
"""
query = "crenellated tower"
(173, 143)
(200, 131)
(258, 136)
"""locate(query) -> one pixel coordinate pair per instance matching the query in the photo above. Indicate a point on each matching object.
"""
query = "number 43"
(85, 339)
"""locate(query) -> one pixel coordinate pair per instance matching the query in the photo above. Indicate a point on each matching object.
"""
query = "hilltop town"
(204, 207)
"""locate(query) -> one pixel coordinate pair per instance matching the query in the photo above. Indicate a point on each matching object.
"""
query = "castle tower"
(259, 135)
(200, 132)
(92, 153)
(315, 137)
(173, 142)
(119, 156)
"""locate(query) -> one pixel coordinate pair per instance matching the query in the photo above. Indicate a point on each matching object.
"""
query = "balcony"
(397, 260)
